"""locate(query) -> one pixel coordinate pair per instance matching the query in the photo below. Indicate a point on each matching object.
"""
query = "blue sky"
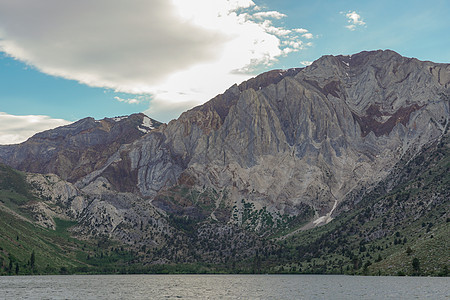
(61, 61)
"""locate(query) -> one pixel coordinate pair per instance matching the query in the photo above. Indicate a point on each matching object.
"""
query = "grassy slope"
(55, 251)
(20, 237)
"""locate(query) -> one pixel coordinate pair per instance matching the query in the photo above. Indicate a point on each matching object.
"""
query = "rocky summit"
(288, 149)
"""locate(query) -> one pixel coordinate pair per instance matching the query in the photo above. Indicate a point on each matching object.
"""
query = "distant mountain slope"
(77, 149)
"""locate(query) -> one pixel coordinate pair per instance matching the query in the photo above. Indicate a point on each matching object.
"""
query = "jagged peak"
(222, 103)
(322, 75)
(274, 76)
(359, 58)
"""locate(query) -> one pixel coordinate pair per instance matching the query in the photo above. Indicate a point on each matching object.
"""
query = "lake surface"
(222, 287)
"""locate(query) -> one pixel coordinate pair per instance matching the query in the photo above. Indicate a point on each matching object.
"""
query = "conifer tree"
(32, 260)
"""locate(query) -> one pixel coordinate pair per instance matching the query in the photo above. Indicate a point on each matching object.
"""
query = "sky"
(61, 61)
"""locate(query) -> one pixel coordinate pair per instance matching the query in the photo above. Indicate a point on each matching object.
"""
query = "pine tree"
(408, 251)
(416, 265)
(32, 260)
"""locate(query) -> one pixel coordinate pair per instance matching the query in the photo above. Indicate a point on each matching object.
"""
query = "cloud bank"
(16, 129)
(182, 53)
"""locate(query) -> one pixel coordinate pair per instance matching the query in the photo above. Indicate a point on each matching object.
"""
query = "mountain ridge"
(71, 151)
(286, 147)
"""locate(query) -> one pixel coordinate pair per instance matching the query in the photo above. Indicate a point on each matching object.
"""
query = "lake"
(222, 287)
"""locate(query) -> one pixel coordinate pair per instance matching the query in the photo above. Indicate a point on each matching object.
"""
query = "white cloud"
(135, 100)
(294, 44)
(16, 129)
(300, 30)
(268, 14)
(279, 31)
(306, 62)
(307, 35)
(129, 101)
(179, 52)
(354, 20)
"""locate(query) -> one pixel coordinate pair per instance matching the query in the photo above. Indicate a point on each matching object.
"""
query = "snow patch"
(144, 130)
(320, 220)
(147, 122)
(146, 125)
(346, 63)
(327, 218)
(117, 119)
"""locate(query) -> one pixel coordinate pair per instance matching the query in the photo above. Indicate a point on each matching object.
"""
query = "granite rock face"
(285, 144)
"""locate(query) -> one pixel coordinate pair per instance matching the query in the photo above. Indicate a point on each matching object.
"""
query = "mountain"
(286, 151)
(76, 150)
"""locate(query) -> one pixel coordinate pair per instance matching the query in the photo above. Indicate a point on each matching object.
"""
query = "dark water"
(222, 287)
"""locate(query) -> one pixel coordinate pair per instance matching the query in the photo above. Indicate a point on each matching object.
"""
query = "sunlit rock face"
(286, 143)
